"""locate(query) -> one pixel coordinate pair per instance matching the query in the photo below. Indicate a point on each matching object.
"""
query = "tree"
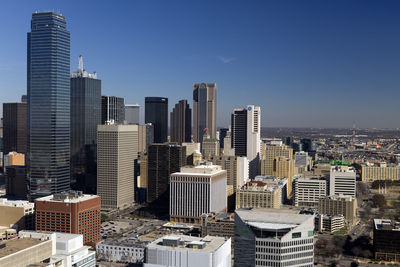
(354, 264)
(379, 200)
(104, 217)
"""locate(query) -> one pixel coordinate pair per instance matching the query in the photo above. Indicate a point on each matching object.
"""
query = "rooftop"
(386, 224)
(207, 244)
(68, 197)
(14, 245)
(272, 217)
(207, 170)
(16, 203)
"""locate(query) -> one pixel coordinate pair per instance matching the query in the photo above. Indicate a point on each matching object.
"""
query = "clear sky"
(306, 63)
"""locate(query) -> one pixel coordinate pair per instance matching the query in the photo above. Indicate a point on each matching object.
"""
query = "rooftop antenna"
(80, 64)
(354, 132)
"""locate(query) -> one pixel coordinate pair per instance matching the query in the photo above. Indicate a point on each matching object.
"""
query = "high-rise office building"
(181, 123)
(70, 212)
(146, 137)
(14, 127)
(387, 240)
(117, 147)
(339, 205)
(85, 116)
(132, 113)
(48, 104)
(19, 214)
(342, 181)
(273, 238)
(222, 135)
(257, 194)
(16, 185)
(308, 191)
(268, 155)
(195, 191)
(209, 147)
(112, 109)
(162, 160)
(156, 113)
(204, 110)
(246, 136)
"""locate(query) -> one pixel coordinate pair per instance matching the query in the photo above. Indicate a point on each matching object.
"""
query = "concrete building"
(204, 110)
(15, 127)
(218, 224)
(46, 249)
(127, 250)
(145, 137)
(237, 169)
(17, 214)
(209, 147)
(342, 181)
(70, 212)
(380, 172)
(272, 181)
(308, 191)
(189, 251)
(112, 109)
(228, 150)
(181, 123)
(132, 113)
(257, 194)
(142, 183)
(387, 240)
(339, 205)
(284, 168)
(273, 238)
(195, 191)
(329, 223)
(14, 159)
(191, 147)
(269, 154)
(116, 152)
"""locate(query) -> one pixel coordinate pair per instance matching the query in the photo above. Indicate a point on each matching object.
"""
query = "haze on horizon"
(306, 63)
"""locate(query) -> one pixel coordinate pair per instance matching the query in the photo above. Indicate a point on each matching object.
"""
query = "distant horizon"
(308, 64)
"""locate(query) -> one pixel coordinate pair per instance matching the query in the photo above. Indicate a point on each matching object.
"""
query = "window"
(311, 233)
(296, 235)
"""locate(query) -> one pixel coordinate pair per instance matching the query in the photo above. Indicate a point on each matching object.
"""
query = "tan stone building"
(218, 224)
(210, 147)
(143, 172)
(18, 214)
(382, 172)
(284, 168)
(269, 154)
(257, 194)
(339, 205)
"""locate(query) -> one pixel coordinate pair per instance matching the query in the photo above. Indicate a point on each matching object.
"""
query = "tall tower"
(181, 123)
(112, 109)
(14, 127)
(204, 110)
(48, 85)
(156, 113)
(85, 116)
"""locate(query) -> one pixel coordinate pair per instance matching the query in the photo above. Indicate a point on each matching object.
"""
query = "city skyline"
(314, 54)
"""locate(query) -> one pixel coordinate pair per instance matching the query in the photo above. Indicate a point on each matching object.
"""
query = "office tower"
(287, 140)
(269, 238)
(14, 127)
(222, 135)
(70, 212)
(339, 205)
(112, 109)
(308, 191)
(380, 172)
(195, 191)
(308, 145)
(18, 214)
(16, 185)
(210, 146)
(85, 116)
(146, 137)
(14, 159)
(185, 251)
(342, 181)
(48, 105)
(181, 123)
(24, 99)
(132, 113)
(301, 159)
(386, 240)
(162, 160)
(268, 155)
(204, 110)
(143, 171)
(237, 169)
(329, 223)
(156, 113)
(284, 168)
(228, 150)
(117, 147)
(257, 194)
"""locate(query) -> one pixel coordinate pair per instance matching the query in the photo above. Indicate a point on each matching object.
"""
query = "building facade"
(268, 155)
(128, 250)
(17, 214)
(15, 127)
(308, 191)
(116, 153)
(387, 240)
(204, 110)
(48, 104)
(329, 223)
(384, 173)
(257, 194)
(195, 191)
(132, 113)
(339, 205)
(146, 137)
(181, 123)
(16, 184)
(112, 109)
(156, 113)
(342, 181)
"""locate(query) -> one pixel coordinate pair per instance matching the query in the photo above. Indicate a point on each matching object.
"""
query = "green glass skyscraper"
(48, 85)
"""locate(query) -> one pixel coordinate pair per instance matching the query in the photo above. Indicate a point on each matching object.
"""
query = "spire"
(80, 64)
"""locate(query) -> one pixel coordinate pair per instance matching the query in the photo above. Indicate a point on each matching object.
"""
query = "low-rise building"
(380, 172)
(128, 250)
(218, 224)
(329, 223)
(189, 251)
(257, 194)
(387, 240)
(17, 214)
(339, 205)
(308, 191)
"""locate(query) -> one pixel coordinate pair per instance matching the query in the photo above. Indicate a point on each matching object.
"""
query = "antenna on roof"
(80, 64)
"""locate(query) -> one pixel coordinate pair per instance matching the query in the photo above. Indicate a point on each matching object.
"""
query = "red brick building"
(70, 212)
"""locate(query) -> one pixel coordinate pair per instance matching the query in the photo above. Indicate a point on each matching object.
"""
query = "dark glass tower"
(181, 123)
(48, 87)
(156, 113)
(222, 135)
(85, 116)
(239, 132)
(14, 127)
(112, 109)
(204, 110)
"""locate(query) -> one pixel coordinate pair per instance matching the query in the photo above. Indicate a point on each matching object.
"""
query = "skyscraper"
(48, 85)
(204, 110)
(14, 127)
(181, 123)
(112, 109)
(85, 116)
(156, 113)
(132, 113)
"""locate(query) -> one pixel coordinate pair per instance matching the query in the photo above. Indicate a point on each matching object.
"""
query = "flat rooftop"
(15, 245)
(200, 170)
(272, 217)
(16, 203)
(67, 197)
(211, 243)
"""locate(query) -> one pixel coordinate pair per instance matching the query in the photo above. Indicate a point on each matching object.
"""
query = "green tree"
(379, 200)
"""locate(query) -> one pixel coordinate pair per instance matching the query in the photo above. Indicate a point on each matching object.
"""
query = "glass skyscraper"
(156, 113)
(48, 85)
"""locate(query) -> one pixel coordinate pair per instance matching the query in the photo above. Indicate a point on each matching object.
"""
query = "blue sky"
(306, 63)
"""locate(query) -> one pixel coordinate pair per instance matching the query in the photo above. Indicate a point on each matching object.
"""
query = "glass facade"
(48, 85)
(156, 113)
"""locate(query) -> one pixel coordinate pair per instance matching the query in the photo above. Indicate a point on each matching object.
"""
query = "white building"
(195, 191)
(342, 181)
(308, 191)
(128, 250)
(189, 251)
(271, 237)
(253, 131)
(329, 223)
(132, 112)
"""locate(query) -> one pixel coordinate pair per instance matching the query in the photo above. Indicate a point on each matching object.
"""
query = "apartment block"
(381, 172)
(329, 223)
(342, 181)
(308, 191)
(257, 194)
(339, 205)
(218, 224)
